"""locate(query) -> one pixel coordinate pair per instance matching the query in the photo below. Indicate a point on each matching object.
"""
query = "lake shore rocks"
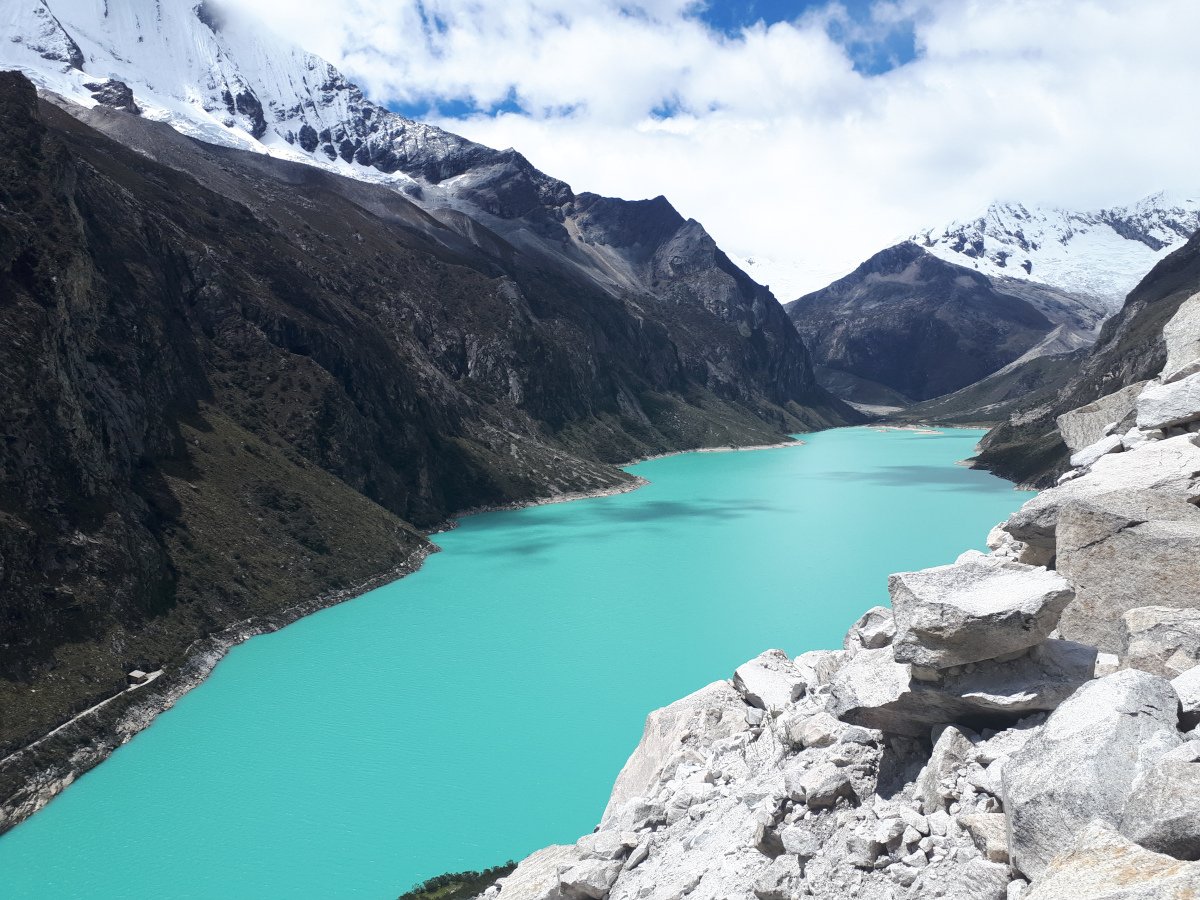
(1021, 725)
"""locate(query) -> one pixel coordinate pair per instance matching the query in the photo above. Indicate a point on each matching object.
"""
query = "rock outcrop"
(960, 747)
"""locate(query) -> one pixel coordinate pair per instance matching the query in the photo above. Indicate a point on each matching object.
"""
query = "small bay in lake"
(482, 707)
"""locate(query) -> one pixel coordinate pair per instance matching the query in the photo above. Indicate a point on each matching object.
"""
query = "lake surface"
(482, 707)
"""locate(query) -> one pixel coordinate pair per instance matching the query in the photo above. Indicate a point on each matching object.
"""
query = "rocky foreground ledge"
(1020, 725)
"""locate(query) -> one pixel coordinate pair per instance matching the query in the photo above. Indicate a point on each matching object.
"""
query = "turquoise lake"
(482, 707)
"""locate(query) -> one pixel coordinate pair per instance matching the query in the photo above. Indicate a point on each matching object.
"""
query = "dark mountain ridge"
(908, 322)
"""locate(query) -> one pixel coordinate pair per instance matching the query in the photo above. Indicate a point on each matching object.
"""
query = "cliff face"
(1018, 724)
(1028, 447)
(233, 384)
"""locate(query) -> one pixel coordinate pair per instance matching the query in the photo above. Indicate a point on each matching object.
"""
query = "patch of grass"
(459, 885)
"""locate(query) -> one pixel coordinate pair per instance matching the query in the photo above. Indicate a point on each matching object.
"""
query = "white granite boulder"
(1082, 764)
(1163, 813)
(874, 629)
(1100, 864)
(1169, 405)
(977, 609)
(1086, 425)
(770, 681)
(1161, 640)
(1114, 443)
(536, 878)
(951, 752)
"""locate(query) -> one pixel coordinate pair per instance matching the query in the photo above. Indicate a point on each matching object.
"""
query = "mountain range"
(937, 313)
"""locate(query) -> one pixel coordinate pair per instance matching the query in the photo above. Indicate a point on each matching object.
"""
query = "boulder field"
(1020, 725)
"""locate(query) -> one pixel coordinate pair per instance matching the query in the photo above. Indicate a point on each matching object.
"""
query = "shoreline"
(115, 721)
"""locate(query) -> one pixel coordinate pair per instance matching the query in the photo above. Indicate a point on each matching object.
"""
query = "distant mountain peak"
(1100, 253)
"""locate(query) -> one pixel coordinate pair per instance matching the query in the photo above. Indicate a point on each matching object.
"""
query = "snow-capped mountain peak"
(1101, 254)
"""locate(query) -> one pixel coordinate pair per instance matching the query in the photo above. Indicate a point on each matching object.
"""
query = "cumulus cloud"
(778, 137)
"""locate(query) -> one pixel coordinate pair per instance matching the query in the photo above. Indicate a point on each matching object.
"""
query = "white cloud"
(779, 145)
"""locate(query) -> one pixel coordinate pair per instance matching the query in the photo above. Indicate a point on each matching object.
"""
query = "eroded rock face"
(1161, 640)
(1123, 550)
(1163, 813)
(1102, 865)
(977, 609)
(1083, 762)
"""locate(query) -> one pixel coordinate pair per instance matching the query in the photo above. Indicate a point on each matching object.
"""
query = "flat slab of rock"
(1163, 813)
(1182, 338)
(1161, 640)
(1121, 551)
(875, 691)
(770, 681)
(1084, 426)
(1082, 763)
(1168, 405)
(1102, 865)
(1170, 467)
(977, 609)
(1114, 443)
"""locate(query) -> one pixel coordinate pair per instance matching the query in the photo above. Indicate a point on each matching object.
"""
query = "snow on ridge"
(1101, 253)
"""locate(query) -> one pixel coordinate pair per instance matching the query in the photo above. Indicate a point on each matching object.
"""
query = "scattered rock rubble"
(971, 743)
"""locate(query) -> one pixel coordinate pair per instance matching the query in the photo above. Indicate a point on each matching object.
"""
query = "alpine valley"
(263, 337)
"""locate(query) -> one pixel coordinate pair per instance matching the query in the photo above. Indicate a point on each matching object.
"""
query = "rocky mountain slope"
(237, 387)
(1027, 446)
(1019, 725)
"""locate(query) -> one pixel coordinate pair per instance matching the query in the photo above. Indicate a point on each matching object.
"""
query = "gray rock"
(770, 681)
(1102, 865)
(698, 720)
(820, 730)
(975, 879)
(819, 666)
(1182, 338)
(589, 879)
(607, 844)
(1187, 686)
(821, 785)
(536, 878)
(1163, 813)
(800, 842)
(1170, 467)
(1114, 443)
(1169, 405)
(875, 691)
(1081, 765)
(1084, 426)
(989, 831)
(1124, 550)
(1161, 640)
(951, 751)
(977, 609)
(780, 881)
(874, 629)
